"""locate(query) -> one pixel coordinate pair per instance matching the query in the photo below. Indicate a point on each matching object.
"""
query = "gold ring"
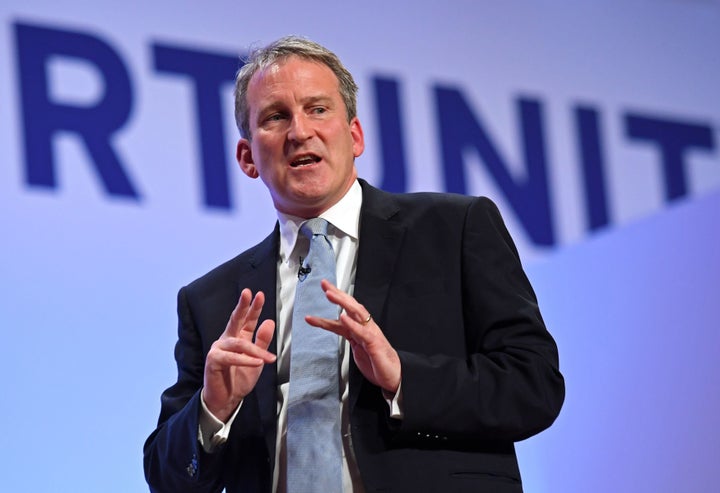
(367, 320)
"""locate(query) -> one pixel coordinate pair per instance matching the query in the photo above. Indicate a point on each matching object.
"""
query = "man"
(444, 357)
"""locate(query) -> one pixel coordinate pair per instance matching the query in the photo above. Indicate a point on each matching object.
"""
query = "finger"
(244, 317)
(334, 326)
(328, 287)
(243, 346)
(348, 303)
(345, 327)
(264, 334)
(223, 359)
(253, 313)
(237, 317)
(356, 330)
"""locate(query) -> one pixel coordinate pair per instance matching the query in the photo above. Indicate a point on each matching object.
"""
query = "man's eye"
(275, 117)
(319, 110)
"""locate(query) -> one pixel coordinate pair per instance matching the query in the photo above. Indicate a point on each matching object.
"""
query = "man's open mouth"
(305, 160)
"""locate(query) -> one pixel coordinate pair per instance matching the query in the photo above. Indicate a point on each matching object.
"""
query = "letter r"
(95, 124)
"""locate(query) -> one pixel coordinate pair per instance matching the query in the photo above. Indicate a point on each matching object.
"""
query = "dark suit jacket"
(442, 277)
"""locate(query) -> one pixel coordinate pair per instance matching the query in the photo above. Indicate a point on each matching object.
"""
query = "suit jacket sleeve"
(174, 459)
(500, 379)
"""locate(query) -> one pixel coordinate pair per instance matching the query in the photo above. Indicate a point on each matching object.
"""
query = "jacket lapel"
(381, 235)
(261, 276)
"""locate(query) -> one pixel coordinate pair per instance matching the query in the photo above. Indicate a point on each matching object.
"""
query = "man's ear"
(243, 154)
(358, 137)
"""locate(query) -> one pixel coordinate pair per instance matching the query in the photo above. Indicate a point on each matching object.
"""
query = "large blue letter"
(460, 130)
(588, 131)
(95, 124)
(673, 138)
(387, 104)
(208, 71)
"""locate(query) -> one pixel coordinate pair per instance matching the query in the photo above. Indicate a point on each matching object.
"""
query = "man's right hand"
(234, 362)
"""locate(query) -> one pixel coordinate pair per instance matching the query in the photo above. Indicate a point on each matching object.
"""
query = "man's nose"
(300, 128)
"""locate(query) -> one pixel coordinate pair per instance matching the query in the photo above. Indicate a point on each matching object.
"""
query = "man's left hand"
(373, 354)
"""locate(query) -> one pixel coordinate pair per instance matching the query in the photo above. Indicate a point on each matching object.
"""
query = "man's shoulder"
(420, 204)
(432, 200)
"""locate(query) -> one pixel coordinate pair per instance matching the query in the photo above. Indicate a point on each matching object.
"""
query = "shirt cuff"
(394, 402)
(211, 431)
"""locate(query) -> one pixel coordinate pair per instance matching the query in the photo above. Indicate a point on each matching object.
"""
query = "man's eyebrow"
(320, 98)
(270, 108)
(279, 106)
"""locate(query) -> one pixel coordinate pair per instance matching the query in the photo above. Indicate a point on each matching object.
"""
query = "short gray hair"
(280, 50)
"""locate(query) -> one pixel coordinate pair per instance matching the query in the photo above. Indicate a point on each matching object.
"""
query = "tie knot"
(314, 226)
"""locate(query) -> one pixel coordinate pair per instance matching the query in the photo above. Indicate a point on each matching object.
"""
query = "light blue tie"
(314, 447)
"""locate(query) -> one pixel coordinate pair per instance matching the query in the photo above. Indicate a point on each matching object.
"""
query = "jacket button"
(192, 466)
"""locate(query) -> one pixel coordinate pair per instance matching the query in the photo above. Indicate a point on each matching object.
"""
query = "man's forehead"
(262, 81)
(271, 70)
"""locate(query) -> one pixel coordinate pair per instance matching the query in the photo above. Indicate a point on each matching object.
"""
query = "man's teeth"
(305, 160)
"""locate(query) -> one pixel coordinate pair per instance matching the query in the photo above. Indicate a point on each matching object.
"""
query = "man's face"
(302, 147)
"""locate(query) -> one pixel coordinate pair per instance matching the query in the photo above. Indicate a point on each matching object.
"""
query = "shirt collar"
(344, 216)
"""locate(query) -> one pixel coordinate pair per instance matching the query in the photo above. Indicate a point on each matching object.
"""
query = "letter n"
(461, 130)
